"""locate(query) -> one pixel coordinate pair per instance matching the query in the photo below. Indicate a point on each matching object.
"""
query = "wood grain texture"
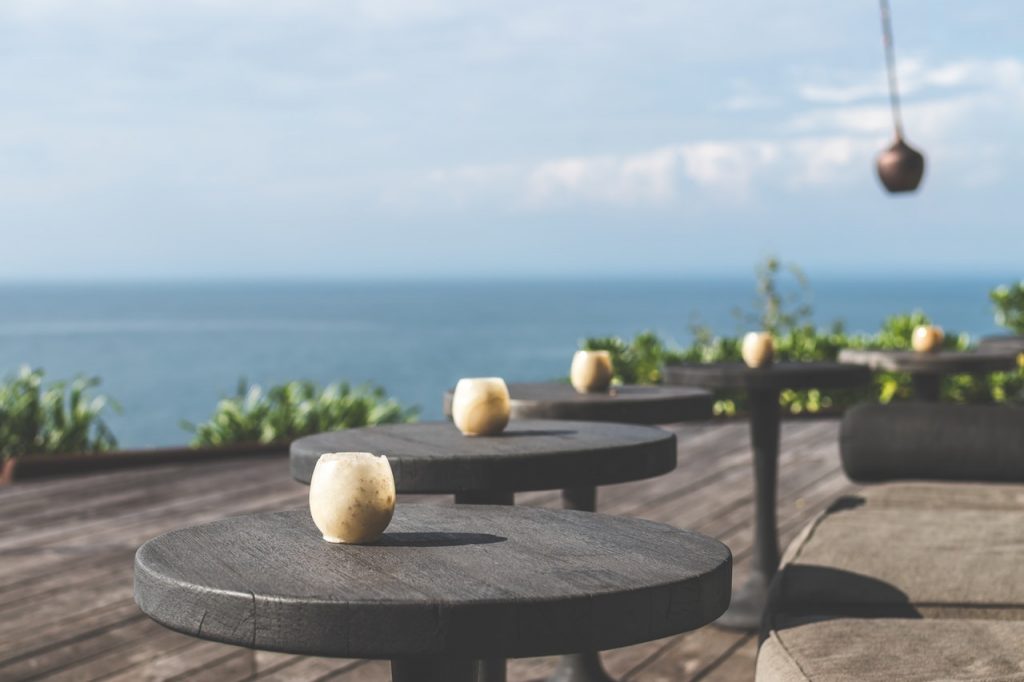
(779, 376)
(466, 581)
(941, 362)
(623, 404)
(70, 542)
(433, 457)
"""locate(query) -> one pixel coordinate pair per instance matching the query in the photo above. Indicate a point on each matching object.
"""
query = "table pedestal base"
(580, 668)
(488, 497)
(926, 386)
(433, 669)
(584, 667)
(489, 669)
(747, 605)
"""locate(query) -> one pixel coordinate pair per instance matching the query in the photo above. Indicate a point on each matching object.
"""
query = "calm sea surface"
(168, 352)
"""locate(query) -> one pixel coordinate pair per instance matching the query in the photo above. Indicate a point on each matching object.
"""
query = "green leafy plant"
(784, 310)
(59, 418)
(1009, 303)
(635, 362)
(298, 408)
(781, 305)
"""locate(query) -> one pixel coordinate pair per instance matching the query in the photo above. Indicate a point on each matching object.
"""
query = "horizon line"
(568, 278)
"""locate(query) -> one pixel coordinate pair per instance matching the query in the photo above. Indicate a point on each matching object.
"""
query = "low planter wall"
(45, 466)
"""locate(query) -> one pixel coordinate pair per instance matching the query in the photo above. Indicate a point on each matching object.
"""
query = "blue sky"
(310, 139)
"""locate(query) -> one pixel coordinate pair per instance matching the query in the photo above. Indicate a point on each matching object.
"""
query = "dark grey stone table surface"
(444, 586)
(1003, 343)
(433, 457)
(775, 377)
(927, 369)
(624, 404)
(763, 386)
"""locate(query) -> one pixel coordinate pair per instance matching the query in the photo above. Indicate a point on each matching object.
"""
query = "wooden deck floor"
(66, 547)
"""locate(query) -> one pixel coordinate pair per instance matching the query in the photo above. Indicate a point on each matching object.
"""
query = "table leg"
(748, 602)
(433, 669)
(580, 499)
(489, 669)
(926, 386)
(585, 667)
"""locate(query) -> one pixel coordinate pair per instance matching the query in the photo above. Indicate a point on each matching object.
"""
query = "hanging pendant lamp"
(900, 166)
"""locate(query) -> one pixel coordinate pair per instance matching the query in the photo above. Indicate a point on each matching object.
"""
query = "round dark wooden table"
(623, 404)
(444, 586)
(763, 386)
(927, 369)
(433, 457)
(1005, 343)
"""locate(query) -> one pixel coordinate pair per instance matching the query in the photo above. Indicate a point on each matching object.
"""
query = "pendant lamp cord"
(890, 63)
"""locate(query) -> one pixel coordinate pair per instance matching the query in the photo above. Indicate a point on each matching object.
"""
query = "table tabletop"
(433, 457)
(1005, 343)
(939, 362)
(777, 376)
(625, 404)
(471, 581)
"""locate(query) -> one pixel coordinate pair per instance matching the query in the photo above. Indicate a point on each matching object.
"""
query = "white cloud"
(644, 177)
(749, 102)
(854, 120)
(727, 165)
(830, 145)
(727, 169)
(916, 77)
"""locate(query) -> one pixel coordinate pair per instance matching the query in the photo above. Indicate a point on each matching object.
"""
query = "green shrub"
(1009, 303)
(295, 409)
(780, 306)
(787, 316)
(635, 362)
(59, 418)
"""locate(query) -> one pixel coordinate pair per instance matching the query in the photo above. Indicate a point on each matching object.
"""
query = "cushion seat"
(876, 554)
(920, 577)
(886, 649)
(929, 495)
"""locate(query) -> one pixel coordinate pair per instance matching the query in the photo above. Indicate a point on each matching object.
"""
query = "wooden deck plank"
(104, 503)
(66, 551)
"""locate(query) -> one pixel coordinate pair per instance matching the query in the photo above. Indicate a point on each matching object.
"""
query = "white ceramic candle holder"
(481, 406)
(352, 496)
(591, 371)
(927, 338)
(758, 349)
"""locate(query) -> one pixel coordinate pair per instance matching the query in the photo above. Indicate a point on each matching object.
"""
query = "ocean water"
(168, 352)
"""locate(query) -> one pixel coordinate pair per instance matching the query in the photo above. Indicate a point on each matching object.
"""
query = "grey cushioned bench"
(911, 579)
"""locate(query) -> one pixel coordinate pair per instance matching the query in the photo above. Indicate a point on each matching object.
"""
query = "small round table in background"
(927, 369)
(444, 586)
(1006, 343)
(433, 457)
(763, 386)
(623, 404)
